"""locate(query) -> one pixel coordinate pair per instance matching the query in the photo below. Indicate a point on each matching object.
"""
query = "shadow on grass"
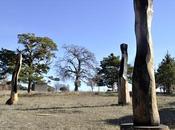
(55, 111)
(172, 104)
(43, 94)
(121, 120)
(74, 107)
(167, 117)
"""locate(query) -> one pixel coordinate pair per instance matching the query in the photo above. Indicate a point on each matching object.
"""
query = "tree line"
(78, 64)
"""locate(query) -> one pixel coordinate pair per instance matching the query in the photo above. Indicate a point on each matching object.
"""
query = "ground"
(73, 111)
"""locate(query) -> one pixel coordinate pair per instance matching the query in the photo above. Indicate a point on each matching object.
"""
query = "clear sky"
(99, 25)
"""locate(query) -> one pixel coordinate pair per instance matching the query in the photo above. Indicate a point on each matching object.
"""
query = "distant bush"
(64, 89)
(50, 89)
(22, 87)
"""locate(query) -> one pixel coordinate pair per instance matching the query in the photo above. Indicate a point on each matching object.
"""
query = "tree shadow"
(73, 107)
(56, 111)
(172, 104)
(167, 117)
(121, 120)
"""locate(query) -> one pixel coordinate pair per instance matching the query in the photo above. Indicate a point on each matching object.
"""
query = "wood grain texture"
(145, 109)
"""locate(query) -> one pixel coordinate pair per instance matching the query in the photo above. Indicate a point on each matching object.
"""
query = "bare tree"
(91, 82)
(78, 63)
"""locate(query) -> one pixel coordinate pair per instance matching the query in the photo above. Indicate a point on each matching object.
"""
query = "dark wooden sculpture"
(144, 92)
(145, 111)
(14, 83)
(123, 93)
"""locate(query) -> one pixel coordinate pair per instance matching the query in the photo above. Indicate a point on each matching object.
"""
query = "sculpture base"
(130, 126)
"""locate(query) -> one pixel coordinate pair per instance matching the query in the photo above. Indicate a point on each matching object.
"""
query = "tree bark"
(169, 89)
(29, 86)
(145, 109)
(33, 86)
(14, 83)
(92, 88)
(77, 84)
(123, 93)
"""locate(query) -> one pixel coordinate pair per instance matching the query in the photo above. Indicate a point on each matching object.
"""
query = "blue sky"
(99, 25)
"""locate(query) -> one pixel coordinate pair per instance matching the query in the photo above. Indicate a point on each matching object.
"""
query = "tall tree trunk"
(14, 83)
(29, 86)
(168, 88)
(33, 86)
(92, 88)
(77, 80)
(76, 87)
(145, 109)
(77, 83)
(30, 73)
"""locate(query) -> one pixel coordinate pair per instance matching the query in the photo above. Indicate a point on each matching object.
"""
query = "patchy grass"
(73, 111)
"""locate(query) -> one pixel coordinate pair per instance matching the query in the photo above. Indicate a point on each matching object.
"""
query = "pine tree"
(165, 75)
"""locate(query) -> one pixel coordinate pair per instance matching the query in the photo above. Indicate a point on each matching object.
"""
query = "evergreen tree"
(109, 70)
(37, 55)
(7, 62)
(108, 73)
(165, 75)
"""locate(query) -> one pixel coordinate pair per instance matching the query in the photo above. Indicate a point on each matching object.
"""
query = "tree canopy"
(37, 56)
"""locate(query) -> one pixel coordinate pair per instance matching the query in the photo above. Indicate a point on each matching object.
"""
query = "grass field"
(73, 111)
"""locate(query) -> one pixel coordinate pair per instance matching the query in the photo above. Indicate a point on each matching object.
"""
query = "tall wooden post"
(145, 111)
(14, 83)
(123, 93)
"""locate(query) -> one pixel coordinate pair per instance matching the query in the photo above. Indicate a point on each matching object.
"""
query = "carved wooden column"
(123, 93)
(14, 83)
(145, 111)
(144, 92)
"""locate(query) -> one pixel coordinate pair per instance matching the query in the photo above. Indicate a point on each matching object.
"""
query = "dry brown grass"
(72, 111)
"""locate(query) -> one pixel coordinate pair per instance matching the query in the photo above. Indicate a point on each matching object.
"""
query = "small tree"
(165, 75)
(109, 70)
(37, 55)
(95, 80)
(91, 82)
(78, 64)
